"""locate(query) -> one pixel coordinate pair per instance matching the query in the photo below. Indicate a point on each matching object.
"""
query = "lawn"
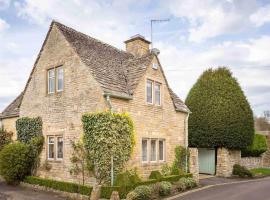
(261, 171)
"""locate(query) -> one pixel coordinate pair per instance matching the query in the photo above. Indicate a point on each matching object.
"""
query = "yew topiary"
(221, 115)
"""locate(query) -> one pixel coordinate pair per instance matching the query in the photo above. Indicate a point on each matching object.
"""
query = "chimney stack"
(137, 45)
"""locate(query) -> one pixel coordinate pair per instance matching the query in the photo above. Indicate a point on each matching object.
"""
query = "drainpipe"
(108, 100)
(186, 140)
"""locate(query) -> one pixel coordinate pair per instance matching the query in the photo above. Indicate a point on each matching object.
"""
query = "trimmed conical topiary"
(221, 115)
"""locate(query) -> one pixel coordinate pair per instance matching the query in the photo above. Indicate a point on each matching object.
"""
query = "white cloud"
(4, 4)
(211, 18)
(3, 25)
(262, 16)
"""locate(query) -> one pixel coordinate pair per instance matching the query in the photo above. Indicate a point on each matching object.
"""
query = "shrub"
(143, 192)
(189, 182)
(155, 175)
(5, 137)
(171, 178)
(35, 146)
(155, 188)
(128, 178)
(221, 115)
(181, 156)
(132, 195)
(15, 162)
(166, 170)
(105, 134)
(180, 185)
(149, 182)
(165, 188)
(258, 147)
(241, 171)
(28, 128)
(59, 185)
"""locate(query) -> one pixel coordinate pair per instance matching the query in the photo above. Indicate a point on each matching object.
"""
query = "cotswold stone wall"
(252, 162)
(9, 124)
(226, 158)
(194, 163)
(157, 122)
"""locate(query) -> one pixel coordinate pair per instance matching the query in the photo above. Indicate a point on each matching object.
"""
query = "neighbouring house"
(75, 73)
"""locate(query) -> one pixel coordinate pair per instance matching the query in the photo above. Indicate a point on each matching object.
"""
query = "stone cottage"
(74, 74)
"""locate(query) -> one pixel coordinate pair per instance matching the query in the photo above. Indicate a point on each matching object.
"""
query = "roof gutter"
(117, 95)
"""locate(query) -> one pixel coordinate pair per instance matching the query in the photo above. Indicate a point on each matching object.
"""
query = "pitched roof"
(116, 71)
(12, 110)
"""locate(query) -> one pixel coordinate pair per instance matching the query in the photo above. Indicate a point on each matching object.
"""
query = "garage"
(207, 161)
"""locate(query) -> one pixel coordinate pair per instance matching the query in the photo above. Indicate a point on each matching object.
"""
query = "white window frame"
(57, 78)
(163, 152)
(57, 137)
(147, 159)
(49, 78)
(48, 145)
(156, 159)
(152, 97)
(157, 84)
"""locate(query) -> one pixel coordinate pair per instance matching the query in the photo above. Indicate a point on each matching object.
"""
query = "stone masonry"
(194, 163)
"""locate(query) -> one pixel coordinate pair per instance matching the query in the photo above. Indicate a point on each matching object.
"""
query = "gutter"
(117, 95)
(186, 140)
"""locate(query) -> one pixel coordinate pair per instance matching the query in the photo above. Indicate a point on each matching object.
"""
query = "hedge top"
(221, 115)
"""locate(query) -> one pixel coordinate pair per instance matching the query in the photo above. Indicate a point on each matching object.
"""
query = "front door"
(207, 161)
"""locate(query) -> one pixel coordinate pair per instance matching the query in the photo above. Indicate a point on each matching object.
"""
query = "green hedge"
(59, 185)
(28, 128)
(221, 114)
(258, 147)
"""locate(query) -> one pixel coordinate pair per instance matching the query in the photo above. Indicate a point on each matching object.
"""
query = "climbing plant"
(107, 135)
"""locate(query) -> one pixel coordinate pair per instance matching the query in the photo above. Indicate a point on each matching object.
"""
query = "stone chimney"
(137, 45)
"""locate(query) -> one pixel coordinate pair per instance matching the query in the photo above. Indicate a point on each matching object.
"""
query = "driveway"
(8, 192)
(257, 189)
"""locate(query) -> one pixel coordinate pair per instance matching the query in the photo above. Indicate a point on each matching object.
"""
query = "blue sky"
(200, 34)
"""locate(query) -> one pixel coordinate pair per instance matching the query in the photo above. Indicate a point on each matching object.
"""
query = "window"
(161, 150)
(144, 150)
(55, 80)
(60, 78)
(59, 147)
(157, 94)
(51, 81)
(149, 91)
(50, 147)
(153, 150)
(156, 150)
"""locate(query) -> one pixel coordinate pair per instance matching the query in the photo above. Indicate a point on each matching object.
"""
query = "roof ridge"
(92, 38)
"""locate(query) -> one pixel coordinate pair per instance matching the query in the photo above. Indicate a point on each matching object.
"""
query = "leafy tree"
(221, 115)
(258, 147)
(108, 135)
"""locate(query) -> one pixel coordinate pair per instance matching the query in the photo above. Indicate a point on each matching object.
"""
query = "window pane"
(144, 150)
(161, 150)
(149, 91)
(60, 79)
(51, 81)
(153, 150)
(157, 93)
(59, 147)
(51, 147)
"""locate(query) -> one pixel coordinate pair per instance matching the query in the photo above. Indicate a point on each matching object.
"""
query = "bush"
(5, 137)
(258, 147)
(166, 170)
(107, 134)
(15, 162)
(127, 178)
(143, 192)
(241, 171)
(35, 146)
(132, 195)
(155, 175)
(165, 188)
(28, 128)
(189, 182)
(179, 164)
(180, 185)
(59, 185)
(221, 115)
(171, 178)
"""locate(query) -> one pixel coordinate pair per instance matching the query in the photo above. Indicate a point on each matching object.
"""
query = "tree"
(221, 115)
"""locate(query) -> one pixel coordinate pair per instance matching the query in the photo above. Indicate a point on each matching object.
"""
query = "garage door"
(207, 161)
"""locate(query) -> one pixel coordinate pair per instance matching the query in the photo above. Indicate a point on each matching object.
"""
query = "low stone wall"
(194, 163)
(252, 162)
(226, 158)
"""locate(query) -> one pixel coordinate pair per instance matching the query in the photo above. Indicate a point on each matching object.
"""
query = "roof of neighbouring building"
(13, 109)
(116, 71)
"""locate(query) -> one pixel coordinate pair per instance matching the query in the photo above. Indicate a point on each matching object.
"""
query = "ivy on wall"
(108, 134)
(28, 128)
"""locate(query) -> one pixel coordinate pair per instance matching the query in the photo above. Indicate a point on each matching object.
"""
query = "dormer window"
(154, 65)
(55, 80)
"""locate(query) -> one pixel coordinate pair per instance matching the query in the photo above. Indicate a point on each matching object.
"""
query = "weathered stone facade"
(226, 158)
(194, 163)
(9, 124)
(61, 112)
